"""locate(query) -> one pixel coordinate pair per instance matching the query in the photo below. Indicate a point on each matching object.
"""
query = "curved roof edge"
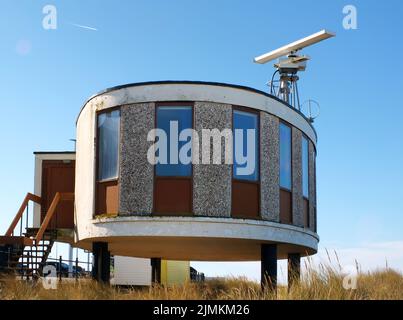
(208, 83)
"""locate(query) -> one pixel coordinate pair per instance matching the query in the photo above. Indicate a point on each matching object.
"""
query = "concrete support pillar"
(155, 270)
(101, 262)
(269, 267)
(294, 269)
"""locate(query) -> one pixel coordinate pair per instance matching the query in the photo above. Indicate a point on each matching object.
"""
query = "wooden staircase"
(26, 255)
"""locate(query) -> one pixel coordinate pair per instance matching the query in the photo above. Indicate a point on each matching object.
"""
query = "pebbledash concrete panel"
(212, 183)
(136, 173)
(269, 167)
(210, 232)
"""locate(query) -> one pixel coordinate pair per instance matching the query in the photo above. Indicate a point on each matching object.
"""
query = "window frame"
(284, 189)
(291, 155)
(174, 104)
(98, 182)
(162, 104)
(98, 113)
(255, 112)
(314, 223)
(258, 168)
(308, 171)
(306, 199)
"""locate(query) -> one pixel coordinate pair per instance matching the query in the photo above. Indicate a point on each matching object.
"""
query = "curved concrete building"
(176, 170)
(201, 210)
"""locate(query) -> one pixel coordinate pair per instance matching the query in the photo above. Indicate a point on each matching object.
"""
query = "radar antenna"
(288, 66)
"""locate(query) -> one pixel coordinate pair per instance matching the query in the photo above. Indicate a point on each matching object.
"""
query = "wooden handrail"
(18, 216)
(51, 211)
(67, 196)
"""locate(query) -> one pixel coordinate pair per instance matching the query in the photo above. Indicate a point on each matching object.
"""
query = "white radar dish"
(294, 46)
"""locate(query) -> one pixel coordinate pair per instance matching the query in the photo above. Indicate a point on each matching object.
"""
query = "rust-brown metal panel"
(285, 207)
(173, 196)
(245, 200)
(306, 213)
(107, 197)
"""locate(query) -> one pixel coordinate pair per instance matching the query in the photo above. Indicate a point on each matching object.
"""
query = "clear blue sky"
(46, 76)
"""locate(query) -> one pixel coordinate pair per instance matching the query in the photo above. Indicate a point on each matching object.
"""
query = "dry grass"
(326, 283)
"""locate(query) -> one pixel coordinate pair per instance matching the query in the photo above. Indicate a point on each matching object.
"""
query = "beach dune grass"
(324, 284)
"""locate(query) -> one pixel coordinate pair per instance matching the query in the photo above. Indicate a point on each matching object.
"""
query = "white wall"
(201, 92)
(85, 172)
(131, 271)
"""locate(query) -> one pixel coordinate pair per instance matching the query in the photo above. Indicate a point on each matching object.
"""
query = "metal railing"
(64, 273)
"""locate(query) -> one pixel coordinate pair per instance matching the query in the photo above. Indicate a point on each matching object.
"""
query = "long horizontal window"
(173, 120)
(305, 180)
(245, 184)
(285, 157)
(246, 146)
(107, 191)
(305, 167)
(108, 145)
(173, 172)
(285, 174)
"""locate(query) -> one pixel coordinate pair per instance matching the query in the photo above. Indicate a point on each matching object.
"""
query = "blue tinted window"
(285, 156)
(305, 167)
(167, 116)
(246, 146)
(108, 145)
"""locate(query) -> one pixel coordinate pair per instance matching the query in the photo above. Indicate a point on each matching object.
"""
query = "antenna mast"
(289, 64)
